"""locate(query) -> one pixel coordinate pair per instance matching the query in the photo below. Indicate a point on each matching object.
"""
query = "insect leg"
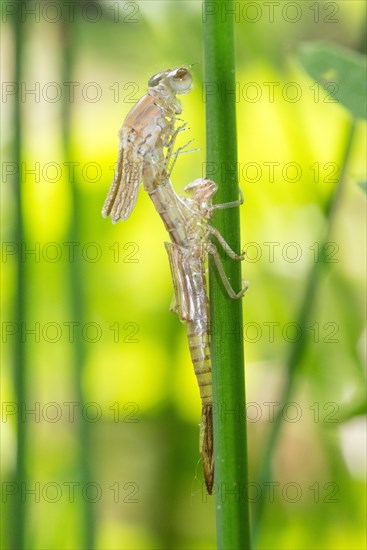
(227, 249)
(178, 152)
(227, 285)
(170, 145)
(231, 204)
(171, 142)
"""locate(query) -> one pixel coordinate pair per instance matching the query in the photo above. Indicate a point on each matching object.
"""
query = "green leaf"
(363, 185)
(341, 73)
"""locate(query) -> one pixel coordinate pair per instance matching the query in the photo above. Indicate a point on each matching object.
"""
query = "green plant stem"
(77, 305)
(18, 517)
(298, 349)
(230, 450)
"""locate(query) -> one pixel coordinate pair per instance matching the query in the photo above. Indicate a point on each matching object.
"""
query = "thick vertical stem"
(230, 450)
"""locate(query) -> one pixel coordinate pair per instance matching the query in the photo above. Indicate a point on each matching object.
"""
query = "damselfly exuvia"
(146, 143)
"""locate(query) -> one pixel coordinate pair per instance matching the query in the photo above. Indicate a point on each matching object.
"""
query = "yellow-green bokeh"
(136, 375)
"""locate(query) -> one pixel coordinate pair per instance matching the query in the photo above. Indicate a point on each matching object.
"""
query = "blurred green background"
(98, 391)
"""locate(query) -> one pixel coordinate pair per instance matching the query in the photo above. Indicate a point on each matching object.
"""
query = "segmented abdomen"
(199, 344)
(192, 307)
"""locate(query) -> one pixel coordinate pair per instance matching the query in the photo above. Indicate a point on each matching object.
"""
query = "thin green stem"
(230, 449)
(298, 349)
(77, 305)
(18, 517)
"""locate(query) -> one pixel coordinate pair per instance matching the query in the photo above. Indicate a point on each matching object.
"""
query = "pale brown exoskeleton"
(188, 217)
(186, 220)
(146, 130)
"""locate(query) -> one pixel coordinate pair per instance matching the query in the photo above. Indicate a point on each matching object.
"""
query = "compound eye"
(181, 80)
